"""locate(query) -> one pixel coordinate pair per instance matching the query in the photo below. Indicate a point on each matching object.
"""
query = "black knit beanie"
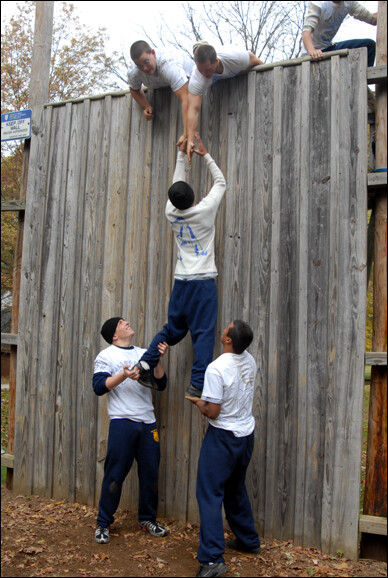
(109, 328)
(181, 195)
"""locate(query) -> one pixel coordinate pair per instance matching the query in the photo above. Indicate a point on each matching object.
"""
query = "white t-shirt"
(234, 60)
(323, 20)
(230, 381)
(129, 400)
(194, 228)
(172, 69)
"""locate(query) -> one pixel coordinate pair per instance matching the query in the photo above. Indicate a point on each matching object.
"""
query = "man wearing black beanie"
(193, 303)
(133, 432)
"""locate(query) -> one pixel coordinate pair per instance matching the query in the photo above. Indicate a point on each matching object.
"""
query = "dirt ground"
(44, 537)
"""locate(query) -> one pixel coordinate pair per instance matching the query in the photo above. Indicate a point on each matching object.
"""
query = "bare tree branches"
(271, 29)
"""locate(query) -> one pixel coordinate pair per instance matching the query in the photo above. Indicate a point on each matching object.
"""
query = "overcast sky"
(123, 20)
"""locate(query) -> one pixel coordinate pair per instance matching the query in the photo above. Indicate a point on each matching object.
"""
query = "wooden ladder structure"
(373, 521)
(377, 186)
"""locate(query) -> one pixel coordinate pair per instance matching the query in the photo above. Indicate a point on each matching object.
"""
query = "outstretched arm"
(182, 94)
(211, 410)
(141, 99)
(193, 110)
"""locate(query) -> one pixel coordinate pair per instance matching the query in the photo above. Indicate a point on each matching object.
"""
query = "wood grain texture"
(291, 256)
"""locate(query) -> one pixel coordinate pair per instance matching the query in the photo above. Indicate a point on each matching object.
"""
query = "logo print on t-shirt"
(186, 237)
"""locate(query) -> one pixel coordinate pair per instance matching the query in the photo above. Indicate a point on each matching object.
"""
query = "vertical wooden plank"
(351, 310)
(273, 361)
(65, 463)
(332, 314)
(260, 283)
(64, 431)
(137, 224)
(49, 306)
(288, 314)
(101, 309)
(238, 208)
(30, 287)
(220, 154)
(250, 266)
(302, 345)
(82, 456)
(90, 289)
(317, 296)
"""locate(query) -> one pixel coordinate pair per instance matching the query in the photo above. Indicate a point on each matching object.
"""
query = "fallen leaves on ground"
(44, 537)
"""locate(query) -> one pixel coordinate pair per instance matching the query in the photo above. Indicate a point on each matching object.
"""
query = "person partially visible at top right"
(322, 22)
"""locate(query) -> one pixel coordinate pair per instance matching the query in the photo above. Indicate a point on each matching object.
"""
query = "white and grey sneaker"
(101, 535)
(154, 528)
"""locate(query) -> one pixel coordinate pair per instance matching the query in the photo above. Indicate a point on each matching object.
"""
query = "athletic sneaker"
(237, 545)
(101, 535)
(193, 391)
(146, 376)
(154, 528)
(212, 569)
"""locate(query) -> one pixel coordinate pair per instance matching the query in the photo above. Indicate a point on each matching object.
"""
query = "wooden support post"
(375, 500)
(38, 95)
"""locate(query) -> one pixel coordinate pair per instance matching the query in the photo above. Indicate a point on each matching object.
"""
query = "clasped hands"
(188, 147)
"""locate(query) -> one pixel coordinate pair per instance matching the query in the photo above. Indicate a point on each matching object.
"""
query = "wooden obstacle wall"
(291, 255)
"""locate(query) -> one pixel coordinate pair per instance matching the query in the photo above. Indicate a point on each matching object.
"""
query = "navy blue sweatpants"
(222, 466)
(130, 440)
(356, 43)
(193, 307)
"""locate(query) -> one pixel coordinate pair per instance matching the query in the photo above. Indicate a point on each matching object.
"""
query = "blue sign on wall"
(15, 125)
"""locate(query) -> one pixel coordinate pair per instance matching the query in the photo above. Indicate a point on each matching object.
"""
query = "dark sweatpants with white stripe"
(222, 466)
(128, 441)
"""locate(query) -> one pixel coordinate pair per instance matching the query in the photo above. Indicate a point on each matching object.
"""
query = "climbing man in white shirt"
(193, 303)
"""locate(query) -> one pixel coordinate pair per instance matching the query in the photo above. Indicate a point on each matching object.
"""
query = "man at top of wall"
(322, 22)
(212, 66)
(159, 69)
